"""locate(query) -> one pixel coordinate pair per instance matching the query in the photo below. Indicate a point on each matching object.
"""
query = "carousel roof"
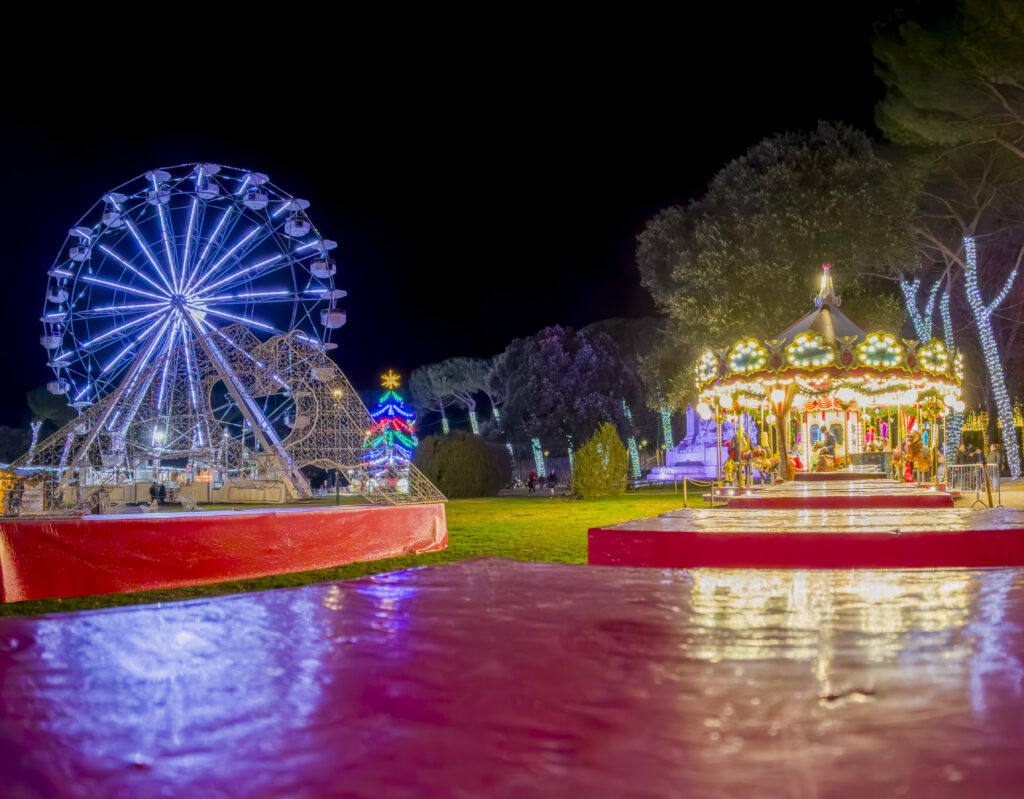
(826, 318)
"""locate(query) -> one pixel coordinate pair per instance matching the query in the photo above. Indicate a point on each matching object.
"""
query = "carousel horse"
(918, 456)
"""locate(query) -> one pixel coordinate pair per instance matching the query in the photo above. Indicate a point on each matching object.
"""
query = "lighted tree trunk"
(997, 381)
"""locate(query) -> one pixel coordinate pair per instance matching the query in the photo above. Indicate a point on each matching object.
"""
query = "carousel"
(827, 395)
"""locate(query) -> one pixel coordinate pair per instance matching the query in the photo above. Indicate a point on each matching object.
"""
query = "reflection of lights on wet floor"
(551, 677)
(800, 614)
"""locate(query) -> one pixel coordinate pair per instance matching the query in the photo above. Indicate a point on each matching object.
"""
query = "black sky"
(477, 192)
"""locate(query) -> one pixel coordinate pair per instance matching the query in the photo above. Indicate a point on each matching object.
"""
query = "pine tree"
(391, 439)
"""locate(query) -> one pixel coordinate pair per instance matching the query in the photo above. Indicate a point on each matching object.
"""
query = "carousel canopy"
(825, 354)
(825, 320)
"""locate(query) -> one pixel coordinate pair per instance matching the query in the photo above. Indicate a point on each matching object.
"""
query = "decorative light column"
(922, 320)
(955, 421)
(634, 454)
(982, 314)
(538, 458)
(666, 427)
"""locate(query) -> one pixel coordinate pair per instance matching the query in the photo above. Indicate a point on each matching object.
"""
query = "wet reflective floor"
(504, 679)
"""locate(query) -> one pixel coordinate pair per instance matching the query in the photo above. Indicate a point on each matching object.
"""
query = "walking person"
(552, 481)
(161, 495)
(154, 494)
(531, 481)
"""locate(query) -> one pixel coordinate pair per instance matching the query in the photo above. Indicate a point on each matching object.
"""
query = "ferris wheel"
(171, 256)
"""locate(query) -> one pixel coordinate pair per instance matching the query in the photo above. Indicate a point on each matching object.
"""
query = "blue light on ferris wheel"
(189, 232)
(131, 268)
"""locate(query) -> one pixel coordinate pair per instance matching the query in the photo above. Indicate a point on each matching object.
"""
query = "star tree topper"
(390, 380)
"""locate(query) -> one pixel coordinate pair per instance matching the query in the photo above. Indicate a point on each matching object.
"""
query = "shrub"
(463, 465)
(599, 468)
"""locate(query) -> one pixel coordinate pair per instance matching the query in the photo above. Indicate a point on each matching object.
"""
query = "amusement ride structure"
(188, 318)
(827, 376)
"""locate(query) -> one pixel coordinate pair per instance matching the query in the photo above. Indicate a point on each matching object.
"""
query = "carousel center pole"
(782, 432)
(718, 432)
(846, 436)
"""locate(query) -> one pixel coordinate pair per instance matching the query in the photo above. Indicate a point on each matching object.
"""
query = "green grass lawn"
(524, 528)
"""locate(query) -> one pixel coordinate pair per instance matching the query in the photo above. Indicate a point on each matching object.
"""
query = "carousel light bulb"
(949, 400)
(703, 411)
(960, 405)
(909, 396)
(726, 400)
(778, 395)
(845, 394)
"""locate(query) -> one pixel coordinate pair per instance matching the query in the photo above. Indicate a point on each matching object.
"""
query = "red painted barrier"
(108, 554)
(814, 539)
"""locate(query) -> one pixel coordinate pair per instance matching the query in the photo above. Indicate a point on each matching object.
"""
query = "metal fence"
(970, 479)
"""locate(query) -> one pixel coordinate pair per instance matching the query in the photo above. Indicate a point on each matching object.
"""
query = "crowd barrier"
(970, 478)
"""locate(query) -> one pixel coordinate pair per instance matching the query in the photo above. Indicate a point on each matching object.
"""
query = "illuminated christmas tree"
(391, 438)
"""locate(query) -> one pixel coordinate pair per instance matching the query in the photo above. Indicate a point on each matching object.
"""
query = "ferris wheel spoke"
(197, 270)
(122, 328)
(168, 249)
(220, 261)
(240, 249)
(259, 270)
(168, 353)
(148, 253)
(270, 228)
(254, 298)
(249, 270)
(132, 344)
(234, 318)
(189, 231)
(128, 266)
(121, 287)
(118, 310)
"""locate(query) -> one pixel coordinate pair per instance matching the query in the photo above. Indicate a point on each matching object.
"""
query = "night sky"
(478, 193)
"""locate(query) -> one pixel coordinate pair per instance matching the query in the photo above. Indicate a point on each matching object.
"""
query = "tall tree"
(955, 77)
(741, 260)
(558, 383)
(430, 391)
(955, 90)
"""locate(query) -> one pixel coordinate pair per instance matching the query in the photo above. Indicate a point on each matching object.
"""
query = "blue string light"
(955, 421)
(922, 321)
(982, 313)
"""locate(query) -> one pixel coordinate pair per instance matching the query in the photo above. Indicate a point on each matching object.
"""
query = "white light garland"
(982, 313)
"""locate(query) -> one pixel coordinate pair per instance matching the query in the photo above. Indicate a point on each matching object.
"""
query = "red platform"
(513, 680)
(141, 552)
(814, 539)
(829, 477)
(841, 495)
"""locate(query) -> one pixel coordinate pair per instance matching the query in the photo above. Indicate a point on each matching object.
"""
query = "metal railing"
(970, 478)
